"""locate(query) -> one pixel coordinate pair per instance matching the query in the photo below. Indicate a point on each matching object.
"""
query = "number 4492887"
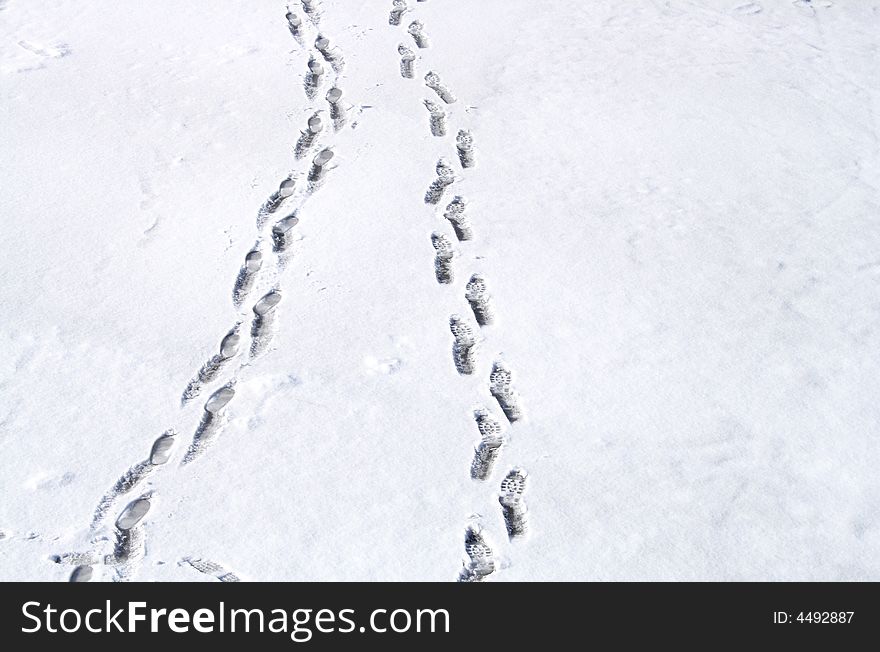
(832, 617)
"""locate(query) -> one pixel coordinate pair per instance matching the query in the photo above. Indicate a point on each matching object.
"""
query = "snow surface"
(675, 207)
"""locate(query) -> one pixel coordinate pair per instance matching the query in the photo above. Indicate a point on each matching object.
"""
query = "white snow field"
(674, 206)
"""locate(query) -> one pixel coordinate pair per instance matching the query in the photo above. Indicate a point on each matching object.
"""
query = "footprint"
(397, 12)
(443, 269)
(320, 164)
(481, 301)
(133, 513)
(308, 137)
(500, 386)
(460, 222)
(417, 31)
(338, 113)
(313, 77)
(320, 167)
(331, 55)
(262, 329)
(481, 558)
(445, 178)
(312, 9)
(282, 233)
(136, 475)
(464, 143)
(433, 81)
(208, 567)
(464, 348)
(213, 420)
(437, 118)
(285, 190)
(491, 441)
(407, 62)
(247, 275)
(129, 480)
(128, 549)
(211, 370)
(82, 574)
(294, 24)
(513, 507)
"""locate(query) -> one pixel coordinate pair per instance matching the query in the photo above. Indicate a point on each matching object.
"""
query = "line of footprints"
(481, 560)
(255, 278)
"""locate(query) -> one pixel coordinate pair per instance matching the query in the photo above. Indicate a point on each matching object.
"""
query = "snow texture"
(673, 205)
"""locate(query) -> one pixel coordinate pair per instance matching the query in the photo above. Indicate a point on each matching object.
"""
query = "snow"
(675, 212)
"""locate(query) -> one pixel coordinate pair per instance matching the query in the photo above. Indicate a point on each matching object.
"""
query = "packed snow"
(543, 291)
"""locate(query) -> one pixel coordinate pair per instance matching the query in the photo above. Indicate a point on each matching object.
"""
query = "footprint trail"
(481, 560)
(261, 274)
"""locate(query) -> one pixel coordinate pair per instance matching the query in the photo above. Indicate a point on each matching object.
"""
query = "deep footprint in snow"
(433, 81)
(461, 224)
(443, 269)
(312, 9)
(285, 190)
(331, 55)
(398, 9)
(208, 567)
(283, 237)
(437, 118)
(417, 31)
(294, 24)
(82, 574)
(500, 385)
(211, 370)
(320, 167)
(513, 506)
(464, 348)
(481, 301)
(247, 275)
(407, 62)
(313, 78)
(464, 143)
(212, 422)
(282, 233)
(308, 136)
(160, 453)
(129, 548)
(445, 178)
(491, 441)
(480, 556)
(263, 326)
(338, 113)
